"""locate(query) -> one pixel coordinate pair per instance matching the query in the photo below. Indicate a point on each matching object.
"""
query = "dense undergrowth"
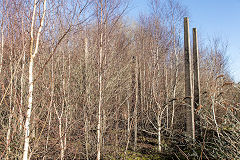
(212, 144)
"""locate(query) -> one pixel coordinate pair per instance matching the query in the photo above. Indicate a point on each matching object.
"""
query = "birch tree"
(2, 33)
(33, 51)
(100, 75)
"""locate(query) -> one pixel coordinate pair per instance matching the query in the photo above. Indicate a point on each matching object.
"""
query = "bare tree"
(33, 52)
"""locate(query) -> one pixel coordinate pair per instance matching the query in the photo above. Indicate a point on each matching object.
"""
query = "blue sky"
(213, 18)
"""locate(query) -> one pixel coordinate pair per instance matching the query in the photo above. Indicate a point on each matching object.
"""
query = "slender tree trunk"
(166, 93)
(86, 136)
(60, 125)
(22, 84)
(62, 131)
(144, 88)
(159, 122)
(86, 90)
(174, 84)
(214, 114)
(103, 126)
(116, 128)
(67, 110)
(30, 83)
(61, 128)
(49, 127)
(136, 105)
(174, 90)
(128, 126)
(27, 123)
(133, 95)
(50, 105)
(11, 106)
(2, 47)
(61, 137)
(100, 98)
(100, 83)
(9, 132)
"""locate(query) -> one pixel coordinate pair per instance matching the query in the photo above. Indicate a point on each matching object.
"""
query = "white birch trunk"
(100, 84)
(60, 130)
(9, 133)
(174, 90)
(30, 83)
(128, 126)
(159, 121)
(100, 100)
(22, 90)
(2, 47)
(11, 107)
(166, 94)
(159, 132)
(136, 106)
(86, 103)
(61, 138)
(175, 77)
(27, 123)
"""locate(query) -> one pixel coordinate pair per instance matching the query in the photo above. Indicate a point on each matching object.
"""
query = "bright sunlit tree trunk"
(30, 83)
(100, 84)
(2, 44)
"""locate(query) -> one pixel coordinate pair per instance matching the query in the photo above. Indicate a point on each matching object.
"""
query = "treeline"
(79, 80)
